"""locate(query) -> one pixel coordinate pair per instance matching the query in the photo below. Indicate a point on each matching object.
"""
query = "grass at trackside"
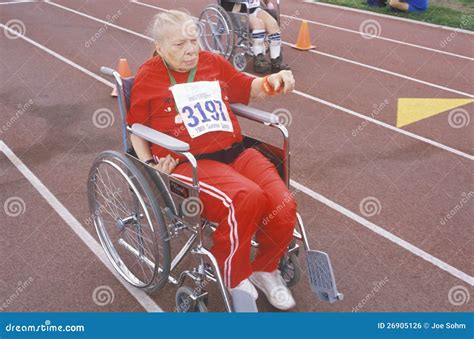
(437, 13)
(467, 3)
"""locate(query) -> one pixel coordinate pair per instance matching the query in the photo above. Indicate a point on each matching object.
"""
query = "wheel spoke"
(110, 200)
(107, 207)
(115, 193)
(125, 210)
(217, 34)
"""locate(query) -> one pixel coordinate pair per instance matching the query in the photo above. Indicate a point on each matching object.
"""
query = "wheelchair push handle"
(107, 71)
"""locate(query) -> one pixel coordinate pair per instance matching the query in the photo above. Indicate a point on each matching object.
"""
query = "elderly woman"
(186, 93)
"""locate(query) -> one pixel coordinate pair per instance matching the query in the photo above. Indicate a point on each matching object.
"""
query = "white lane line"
(406, 77)
(387, 235)
(144, 300)
(341, 209)
(17, 2)
(308, 96)
(392, 17)
(59, 56)
(360, 64)
(99, 20)
(381, 38)
(383, 124)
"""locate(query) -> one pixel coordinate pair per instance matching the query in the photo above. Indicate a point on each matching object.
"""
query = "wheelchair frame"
(179, 222)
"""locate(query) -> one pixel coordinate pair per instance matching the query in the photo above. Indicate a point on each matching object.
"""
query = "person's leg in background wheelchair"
(268, 6)
(274, 37)
(260, 64)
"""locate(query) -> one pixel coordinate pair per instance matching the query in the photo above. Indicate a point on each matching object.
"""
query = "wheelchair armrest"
(254, 114)
(159, 138)
(107, 71)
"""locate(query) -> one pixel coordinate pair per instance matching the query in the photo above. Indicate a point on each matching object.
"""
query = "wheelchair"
(228, 33)
(139, 214)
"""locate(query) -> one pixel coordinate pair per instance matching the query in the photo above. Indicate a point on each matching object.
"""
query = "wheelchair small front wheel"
(290, 269)
(239, 60)
(128, 221)
(185, 302)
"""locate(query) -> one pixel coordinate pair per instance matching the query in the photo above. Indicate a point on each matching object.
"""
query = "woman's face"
(179, 46)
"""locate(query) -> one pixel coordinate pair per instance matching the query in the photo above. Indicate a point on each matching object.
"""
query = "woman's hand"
(282, 82)
(279, 83)
(167, 164)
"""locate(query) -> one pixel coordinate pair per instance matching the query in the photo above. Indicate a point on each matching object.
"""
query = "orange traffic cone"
(304, 41)
(124, 72)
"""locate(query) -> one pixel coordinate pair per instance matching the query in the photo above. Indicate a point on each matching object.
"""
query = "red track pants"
(246, 197)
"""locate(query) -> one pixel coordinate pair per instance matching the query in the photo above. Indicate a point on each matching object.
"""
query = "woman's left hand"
(282, 82)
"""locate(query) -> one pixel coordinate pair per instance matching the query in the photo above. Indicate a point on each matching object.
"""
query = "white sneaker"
(244, 297)
(274, 288)
(246, 286)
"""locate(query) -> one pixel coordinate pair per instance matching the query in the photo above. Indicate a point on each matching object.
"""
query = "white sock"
(258, 36)
(275, 45)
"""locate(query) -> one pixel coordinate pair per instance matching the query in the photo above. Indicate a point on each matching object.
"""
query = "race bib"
(201, 107)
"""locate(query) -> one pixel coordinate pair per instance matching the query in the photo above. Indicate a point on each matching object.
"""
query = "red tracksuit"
(244, 197)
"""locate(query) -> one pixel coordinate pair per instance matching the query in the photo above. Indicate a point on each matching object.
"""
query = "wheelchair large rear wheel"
(128, 221)
(217, 33)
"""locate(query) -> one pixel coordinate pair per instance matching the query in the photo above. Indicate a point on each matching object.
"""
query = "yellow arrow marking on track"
(411, 110)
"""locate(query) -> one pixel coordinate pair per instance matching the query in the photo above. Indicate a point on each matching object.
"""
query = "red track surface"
(416, 183)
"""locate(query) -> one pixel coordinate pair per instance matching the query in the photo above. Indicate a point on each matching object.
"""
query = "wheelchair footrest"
(321, 276)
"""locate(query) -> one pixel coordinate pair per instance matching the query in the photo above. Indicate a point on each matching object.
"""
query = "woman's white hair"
(166, 19)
